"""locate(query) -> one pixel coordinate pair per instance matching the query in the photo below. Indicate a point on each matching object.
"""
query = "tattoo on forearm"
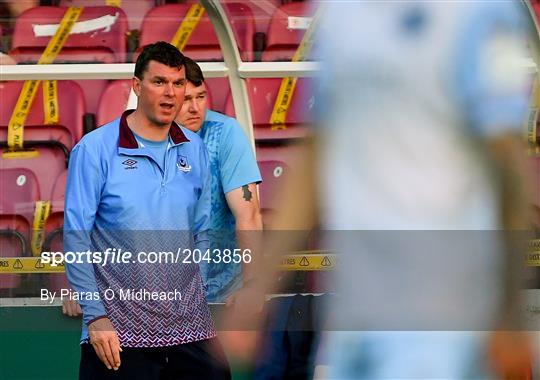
(247, 193)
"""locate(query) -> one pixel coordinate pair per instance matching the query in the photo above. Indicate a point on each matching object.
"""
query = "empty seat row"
(136, 9)
(101, 31)
(100, 36)
(113, 101)
(262, 95)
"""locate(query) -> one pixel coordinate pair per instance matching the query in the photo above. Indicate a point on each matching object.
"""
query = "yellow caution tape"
(57, 41)
(534, 245)
(41, 213)
(532, 259)
(50, 102)
(27, 265)
(28, 92)
(18, 117)
(23, 153)
(314, 262)
(283, 101)
(302, 261)
(532, 120)
(286, 89)
(114, 3)
(184, 31)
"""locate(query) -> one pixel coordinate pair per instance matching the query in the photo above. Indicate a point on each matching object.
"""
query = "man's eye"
(158, 82)
(201, 96)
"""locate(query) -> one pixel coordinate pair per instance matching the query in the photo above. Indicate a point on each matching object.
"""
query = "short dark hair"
(193, 72)
(162, 52)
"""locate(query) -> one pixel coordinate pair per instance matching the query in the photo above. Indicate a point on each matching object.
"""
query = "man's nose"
(169, 90)
(193, 105)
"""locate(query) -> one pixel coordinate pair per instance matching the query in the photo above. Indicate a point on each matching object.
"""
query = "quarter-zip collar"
(127, 140)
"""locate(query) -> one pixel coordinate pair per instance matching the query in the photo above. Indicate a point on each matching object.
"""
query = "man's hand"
(71, 308)
(247, 300)
(105, 341)
(244, 309)
(242, 321)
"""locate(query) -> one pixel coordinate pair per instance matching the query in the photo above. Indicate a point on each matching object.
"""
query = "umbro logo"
(130, 164)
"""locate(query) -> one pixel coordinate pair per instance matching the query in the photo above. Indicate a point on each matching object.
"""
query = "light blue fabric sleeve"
(236, 159)
(201, 223)
(493, 103)
(83, 189)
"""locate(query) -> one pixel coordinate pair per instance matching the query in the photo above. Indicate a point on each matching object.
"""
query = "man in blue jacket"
(140, 187)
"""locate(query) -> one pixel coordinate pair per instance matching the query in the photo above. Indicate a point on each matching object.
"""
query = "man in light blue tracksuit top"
(141, 184)
(234, 199)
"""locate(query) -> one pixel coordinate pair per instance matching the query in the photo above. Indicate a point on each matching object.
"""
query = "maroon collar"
(127, 138)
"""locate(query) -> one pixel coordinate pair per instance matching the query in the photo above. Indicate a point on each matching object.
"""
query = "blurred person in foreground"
(418, 171)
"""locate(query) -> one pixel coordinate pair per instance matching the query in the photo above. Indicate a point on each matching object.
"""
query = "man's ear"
(136, 83)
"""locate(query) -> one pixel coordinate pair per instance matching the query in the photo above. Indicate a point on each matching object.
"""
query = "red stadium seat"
(20, 191)
(115, 99)
(101, 40)
(47, 167)
(263, 93)
(162, 22)
(71, 109)
(283, 37)
(104, 41)
(220, 91)
(273, 173)
(276, 163)
(57, 198)
(134, 9)
(262, 12)
(54, 230)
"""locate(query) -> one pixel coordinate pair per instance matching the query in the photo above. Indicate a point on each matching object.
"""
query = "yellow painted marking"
(29, 90)
(315, 262)
(286, 89)
(41, 214)
(50, 102)
(27, 265)
(187, 26)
